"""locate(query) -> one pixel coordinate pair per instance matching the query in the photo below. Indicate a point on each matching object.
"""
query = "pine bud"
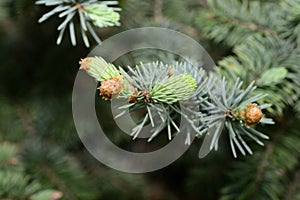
(251, 115)
(111, 87)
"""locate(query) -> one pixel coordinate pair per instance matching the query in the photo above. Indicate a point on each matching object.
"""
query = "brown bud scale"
(251, 115)
(111, 87)
(84, 63)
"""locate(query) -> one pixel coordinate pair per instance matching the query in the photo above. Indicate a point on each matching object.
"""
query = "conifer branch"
(290, 21)
(270, 167)
(54, 178)
(99, 13)
(272, 64)
(160, 89)
(293, 188)
(239, 23)
(224, 22)
(263, 164)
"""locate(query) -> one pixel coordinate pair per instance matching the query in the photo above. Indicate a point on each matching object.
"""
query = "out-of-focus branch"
(292, 188)
(158, 10)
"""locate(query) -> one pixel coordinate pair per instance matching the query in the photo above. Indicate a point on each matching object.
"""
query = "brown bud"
(111, 87)
(251, 115)
(84, 63)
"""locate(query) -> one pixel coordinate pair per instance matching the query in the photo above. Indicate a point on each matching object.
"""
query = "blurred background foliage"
(41, 156)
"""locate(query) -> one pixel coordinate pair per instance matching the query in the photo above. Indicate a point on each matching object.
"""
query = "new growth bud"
(111, 87)
(251, 115)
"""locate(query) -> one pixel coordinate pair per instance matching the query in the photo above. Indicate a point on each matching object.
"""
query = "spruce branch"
(272, 63)
(100, 14)
(293, 188)
(158, 89)
(224, 21)
(128, 185)
(179, 16)
(270, 167)
(236, 109)
(204, 102)
(162, 87)
(290, 21)
(56, 167)
(14, 182)
(55, 179)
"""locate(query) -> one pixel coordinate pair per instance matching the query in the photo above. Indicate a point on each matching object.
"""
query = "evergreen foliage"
(15, 183)
(160, 88)
(233, 21)
(163, 13)
(269, 171)
(290, 27)
(272, 63)
(97, 12)
(43, 158)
